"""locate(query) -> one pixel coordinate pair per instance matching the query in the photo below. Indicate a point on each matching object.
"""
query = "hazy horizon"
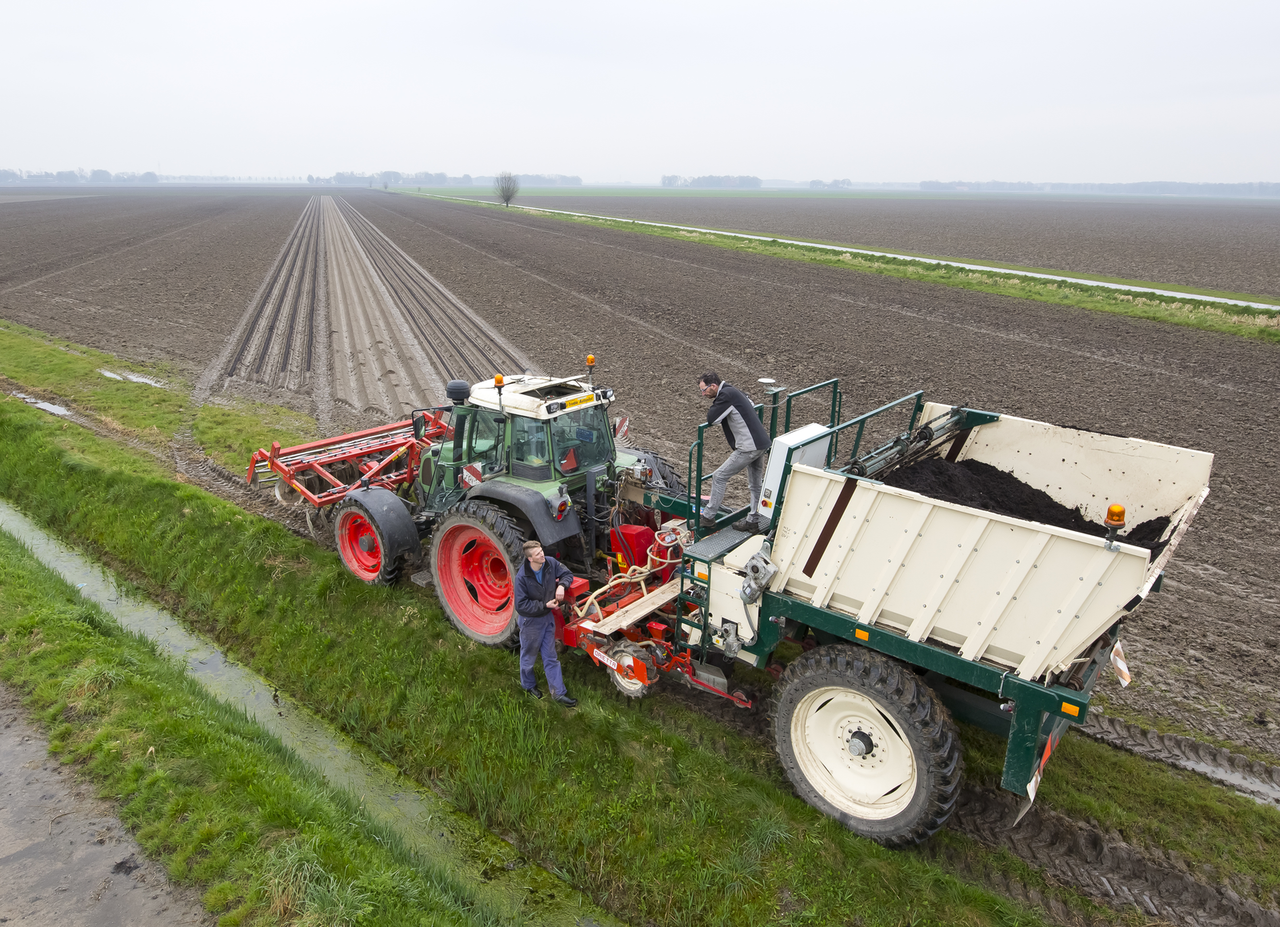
(1093, 93)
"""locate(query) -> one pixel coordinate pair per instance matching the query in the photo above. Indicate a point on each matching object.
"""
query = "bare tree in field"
(505, 186)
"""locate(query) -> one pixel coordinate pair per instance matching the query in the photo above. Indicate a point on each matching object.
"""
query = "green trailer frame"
(1032, 717)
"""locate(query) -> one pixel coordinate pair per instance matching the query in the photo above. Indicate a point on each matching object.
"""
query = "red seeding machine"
(902, 611)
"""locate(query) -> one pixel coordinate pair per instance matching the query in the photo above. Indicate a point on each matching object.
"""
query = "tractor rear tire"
(476, 550)
(363, 545)
(663, 471)
(865, 741)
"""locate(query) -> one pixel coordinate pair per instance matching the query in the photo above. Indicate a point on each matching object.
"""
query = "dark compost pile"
(982, 486)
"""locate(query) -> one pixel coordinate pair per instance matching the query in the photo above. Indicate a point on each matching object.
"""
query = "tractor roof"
(524, 394)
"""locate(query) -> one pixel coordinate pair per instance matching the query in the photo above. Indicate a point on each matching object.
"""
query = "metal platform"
(715, 546)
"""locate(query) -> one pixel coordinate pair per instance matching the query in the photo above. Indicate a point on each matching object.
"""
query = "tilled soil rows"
(658, 312)
(1217, 244)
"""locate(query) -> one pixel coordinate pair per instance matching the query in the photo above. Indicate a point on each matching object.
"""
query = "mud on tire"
(663, 471)
(865, 741)
(476, 549)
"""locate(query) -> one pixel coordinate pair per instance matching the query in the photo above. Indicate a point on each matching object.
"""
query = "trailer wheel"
(363, 545)
(475, 551)
(865, 741)
(628, 654)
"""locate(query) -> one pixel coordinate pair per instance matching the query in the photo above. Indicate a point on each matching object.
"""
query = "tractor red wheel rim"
(353, 529)
(474, 579)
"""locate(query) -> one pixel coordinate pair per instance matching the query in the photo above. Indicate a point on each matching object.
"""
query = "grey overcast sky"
(1083, 91)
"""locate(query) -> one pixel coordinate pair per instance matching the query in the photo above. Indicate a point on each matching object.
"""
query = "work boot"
(535, 692)
(706, 523)
(565, 699)
(752, 525)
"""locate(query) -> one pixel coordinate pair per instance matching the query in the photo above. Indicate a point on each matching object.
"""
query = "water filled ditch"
(429, 826)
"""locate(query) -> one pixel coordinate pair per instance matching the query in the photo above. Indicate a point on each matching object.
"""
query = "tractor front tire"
(476, 550)
(363, 545)
(663, 472)
(865, 741)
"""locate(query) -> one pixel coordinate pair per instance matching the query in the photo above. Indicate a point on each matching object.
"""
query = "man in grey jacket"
(748, 438)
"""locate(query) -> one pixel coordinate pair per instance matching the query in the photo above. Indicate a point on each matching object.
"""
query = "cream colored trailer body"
(1022, 596)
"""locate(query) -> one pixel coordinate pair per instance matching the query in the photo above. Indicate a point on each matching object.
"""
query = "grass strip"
(1226, 318)
(214, 796)
(651, 807)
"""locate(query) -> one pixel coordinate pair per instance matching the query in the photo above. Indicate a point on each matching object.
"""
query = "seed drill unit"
(894, 611)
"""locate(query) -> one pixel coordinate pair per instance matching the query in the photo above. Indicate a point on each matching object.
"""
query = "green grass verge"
(1245, 321)
(655, 810)
(209, 792)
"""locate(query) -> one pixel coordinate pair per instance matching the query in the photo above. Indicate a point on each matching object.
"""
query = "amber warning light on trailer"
(591, 360)
(1114, 522)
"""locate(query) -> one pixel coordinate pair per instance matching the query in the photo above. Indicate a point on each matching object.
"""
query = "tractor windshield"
(580, 439)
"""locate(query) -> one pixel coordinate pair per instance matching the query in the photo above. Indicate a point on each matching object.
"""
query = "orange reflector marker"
(1069, 709)
(862, 635)
(1115, 516)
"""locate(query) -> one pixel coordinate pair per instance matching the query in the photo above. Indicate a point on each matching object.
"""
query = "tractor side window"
(486, 440)
(530, 454)
(581, 439)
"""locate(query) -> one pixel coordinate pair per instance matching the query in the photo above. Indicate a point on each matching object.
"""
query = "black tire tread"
(896, 685)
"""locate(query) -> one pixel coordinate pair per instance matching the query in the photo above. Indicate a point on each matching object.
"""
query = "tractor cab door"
(476, 450)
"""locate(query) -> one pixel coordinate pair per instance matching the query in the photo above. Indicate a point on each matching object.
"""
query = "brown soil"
(982, 486)
(1216, 244)
(657, 312)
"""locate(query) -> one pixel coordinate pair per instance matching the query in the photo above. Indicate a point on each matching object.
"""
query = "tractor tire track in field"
(348, 320)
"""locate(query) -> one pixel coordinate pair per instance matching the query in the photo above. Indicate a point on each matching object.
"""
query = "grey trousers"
(753, 463)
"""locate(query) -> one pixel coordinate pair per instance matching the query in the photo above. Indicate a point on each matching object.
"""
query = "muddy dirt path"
(66, 858)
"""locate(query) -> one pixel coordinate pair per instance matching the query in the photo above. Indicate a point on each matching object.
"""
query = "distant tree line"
(428, 179)
(712, 181)
(1145, 188)
(845, 184)
(48, 178)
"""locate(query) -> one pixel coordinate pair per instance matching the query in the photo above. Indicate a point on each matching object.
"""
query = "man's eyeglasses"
(703, 389)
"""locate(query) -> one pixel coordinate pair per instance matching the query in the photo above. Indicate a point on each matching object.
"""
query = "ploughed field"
(1214, 244)
(190, 276)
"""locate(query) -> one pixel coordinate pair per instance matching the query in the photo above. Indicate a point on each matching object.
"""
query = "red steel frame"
(387, 456)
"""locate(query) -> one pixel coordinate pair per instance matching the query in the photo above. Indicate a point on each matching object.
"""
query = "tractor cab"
(542, 434)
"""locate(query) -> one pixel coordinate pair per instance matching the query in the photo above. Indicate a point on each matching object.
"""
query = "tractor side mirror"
(419, 425)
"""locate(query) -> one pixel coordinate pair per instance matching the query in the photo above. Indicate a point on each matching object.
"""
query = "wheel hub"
(860, 744)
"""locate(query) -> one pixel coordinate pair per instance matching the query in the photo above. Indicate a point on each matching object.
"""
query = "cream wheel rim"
(856, 757)
(627, 685)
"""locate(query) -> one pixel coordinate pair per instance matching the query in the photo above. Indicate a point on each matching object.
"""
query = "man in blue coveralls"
(541, 585)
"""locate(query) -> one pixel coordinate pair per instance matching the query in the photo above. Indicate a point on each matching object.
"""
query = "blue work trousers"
(538, 635)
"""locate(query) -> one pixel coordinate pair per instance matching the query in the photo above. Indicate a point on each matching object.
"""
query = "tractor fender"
(392, 517)
(533, 506)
